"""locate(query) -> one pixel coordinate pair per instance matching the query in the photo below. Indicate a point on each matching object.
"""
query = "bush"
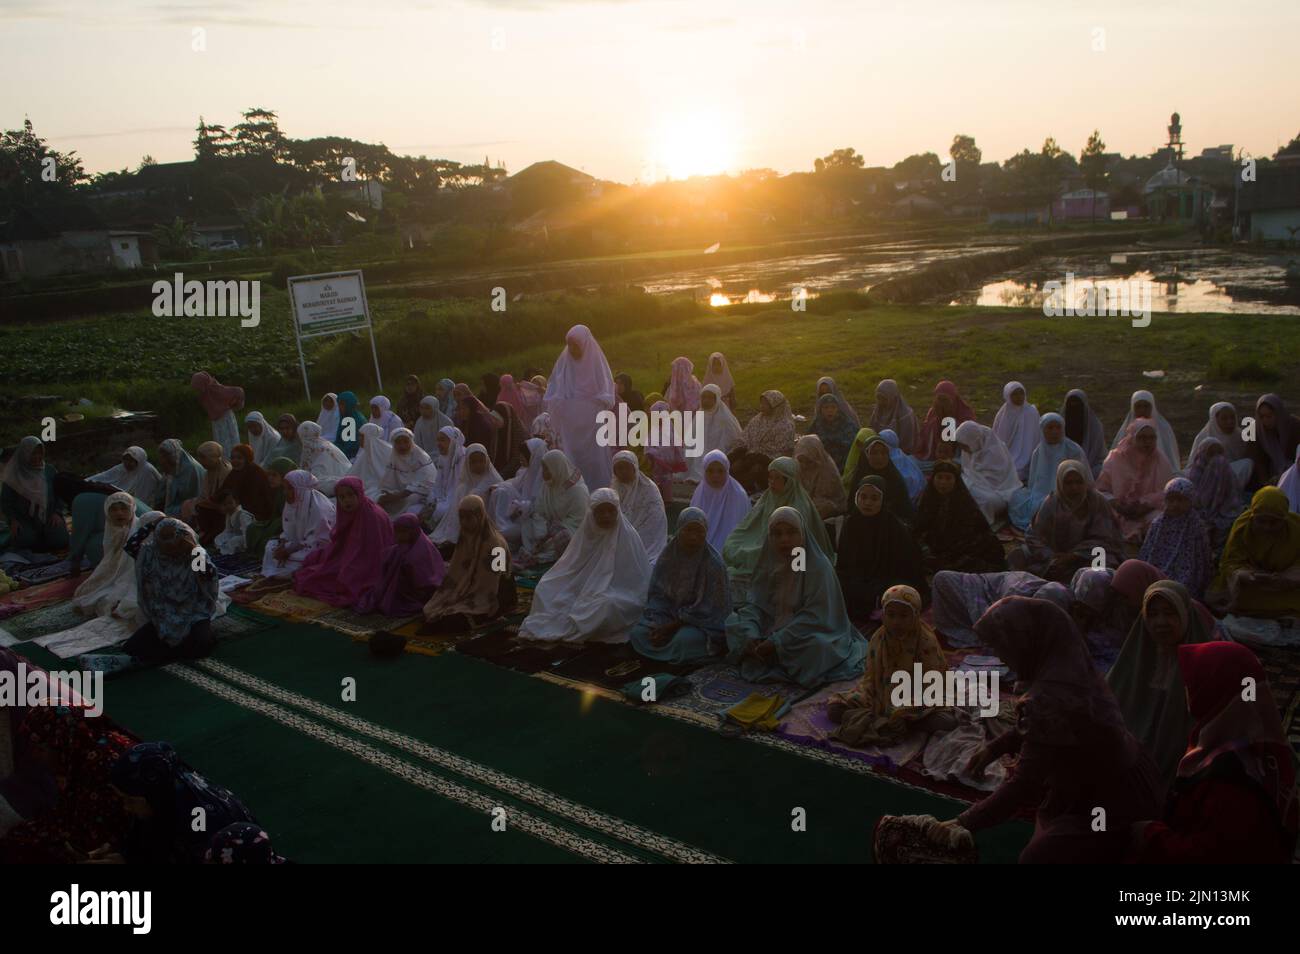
(286, 266)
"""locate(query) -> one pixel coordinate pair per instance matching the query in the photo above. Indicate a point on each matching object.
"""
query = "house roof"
(48, 222)
(1275, 187)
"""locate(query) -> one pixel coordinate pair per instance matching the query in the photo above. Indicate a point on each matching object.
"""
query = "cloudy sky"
(629, 89)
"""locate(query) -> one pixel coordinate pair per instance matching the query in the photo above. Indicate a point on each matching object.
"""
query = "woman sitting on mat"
(794, 627)
(866, 715)
(685, 616)
(1233, 800)
(479, 586)
(596, 591)
(32, 511)
(346, 568)
(409, 575)
(306, 522)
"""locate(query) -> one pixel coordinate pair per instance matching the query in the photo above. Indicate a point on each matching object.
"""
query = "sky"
(644, 89)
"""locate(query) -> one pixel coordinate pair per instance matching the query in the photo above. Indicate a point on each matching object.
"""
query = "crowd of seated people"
(803, 559)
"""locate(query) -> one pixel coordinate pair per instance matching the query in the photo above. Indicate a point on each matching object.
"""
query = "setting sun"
(698, 144)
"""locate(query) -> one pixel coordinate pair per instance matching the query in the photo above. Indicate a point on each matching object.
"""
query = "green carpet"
(323, 802)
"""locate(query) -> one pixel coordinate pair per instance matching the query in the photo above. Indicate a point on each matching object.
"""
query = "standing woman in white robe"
(135, 475)
(306, 524)
(1165, 437)
(596, 591)
(262, 437)
(556, 514)
(642, 504)
(721, 430)
(512, 499)
(580, 387)
(408, 477)
(110, 588)
(477, 477)
(1016, 425)
(987, 469)
(373, 455)
(321, 458)
(447, 469)
(429, 424)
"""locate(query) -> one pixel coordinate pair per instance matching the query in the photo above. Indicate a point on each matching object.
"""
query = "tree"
(259, 134)
(173, 241)
(1049, 172)
(212, 141)
(846, 158)
(963, 149)
(25, 173)
(966, 155)
(1093, 163)
(923, 167)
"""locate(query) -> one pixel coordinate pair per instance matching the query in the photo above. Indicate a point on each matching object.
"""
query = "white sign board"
(330, 304)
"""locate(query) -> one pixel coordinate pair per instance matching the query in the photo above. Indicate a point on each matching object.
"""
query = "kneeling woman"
(177, 600)
(867, 715)
(686, 612)
(794, 627)
(347, 567)
(479, 586)
(305, 525)
(1075, 754)
(595, 592)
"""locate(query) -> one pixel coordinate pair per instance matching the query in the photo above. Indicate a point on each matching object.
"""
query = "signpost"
(330, 304)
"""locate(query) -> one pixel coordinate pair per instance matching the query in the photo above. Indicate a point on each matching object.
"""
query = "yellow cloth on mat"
(756, 712)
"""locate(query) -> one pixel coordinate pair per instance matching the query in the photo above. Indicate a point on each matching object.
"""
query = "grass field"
(141, 362)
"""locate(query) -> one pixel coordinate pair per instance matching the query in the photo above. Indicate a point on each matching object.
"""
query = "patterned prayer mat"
(503, 649)
(291, 606)
(43, 620)
(34, 597)
(611, 666)
(238, 564)
(357, 624)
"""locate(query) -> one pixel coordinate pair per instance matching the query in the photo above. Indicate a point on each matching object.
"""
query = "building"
(1268, 209)
(57, 240)
(1081, 205)
(1173, 195)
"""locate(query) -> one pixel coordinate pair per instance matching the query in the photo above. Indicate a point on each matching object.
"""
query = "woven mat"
(357, 624)
(291, 606)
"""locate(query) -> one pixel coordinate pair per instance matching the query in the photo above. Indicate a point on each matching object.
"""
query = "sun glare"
(700, 144)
